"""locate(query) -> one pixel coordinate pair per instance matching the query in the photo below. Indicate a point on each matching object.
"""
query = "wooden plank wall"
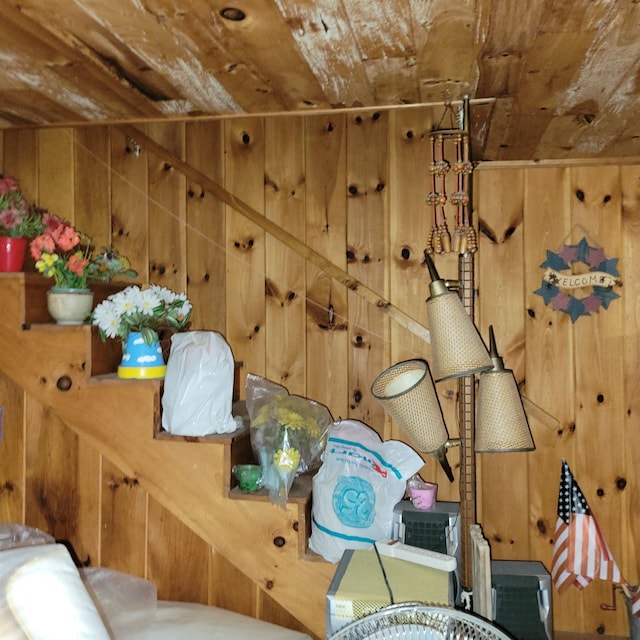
(583, 373)
(353, 186)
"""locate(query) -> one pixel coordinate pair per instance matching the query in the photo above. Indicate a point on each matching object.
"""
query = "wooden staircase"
(72, 372)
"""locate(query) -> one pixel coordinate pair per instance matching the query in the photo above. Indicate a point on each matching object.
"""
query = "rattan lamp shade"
(457, 349)
(456, 346)
(501, 423)
(407, 393)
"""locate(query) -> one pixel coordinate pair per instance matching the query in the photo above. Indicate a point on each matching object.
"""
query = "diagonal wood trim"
(277, 232)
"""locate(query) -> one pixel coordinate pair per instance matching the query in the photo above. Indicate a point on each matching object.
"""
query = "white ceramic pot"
(69, 306)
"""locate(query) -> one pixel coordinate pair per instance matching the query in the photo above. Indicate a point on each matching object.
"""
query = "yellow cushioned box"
(358, 586)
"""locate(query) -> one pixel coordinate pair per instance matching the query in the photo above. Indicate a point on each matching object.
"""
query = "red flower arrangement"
(18, 219)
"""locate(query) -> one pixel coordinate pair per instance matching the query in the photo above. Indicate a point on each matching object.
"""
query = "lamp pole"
(466, 420)
(466, 385)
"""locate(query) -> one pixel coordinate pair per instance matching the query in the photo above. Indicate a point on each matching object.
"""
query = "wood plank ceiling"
(547, 78)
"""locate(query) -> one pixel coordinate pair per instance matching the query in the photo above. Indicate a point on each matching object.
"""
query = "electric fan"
(415, 621)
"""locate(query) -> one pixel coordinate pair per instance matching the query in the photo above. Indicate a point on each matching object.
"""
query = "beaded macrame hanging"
(463, 239)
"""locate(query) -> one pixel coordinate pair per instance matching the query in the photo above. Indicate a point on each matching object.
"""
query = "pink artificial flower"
(10, 218)
(77, 263)
(40, 244)
(8, 184)
(66, 237)
(51, 222)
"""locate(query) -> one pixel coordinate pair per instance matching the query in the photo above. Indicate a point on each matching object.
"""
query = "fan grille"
(414, 621)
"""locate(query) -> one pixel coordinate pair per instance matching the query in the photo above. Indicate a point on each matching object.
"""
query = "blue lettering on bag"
(375, 461)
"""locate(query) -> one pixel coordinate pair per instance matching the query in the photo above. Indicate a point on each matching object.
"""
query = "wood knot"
(269, 584)
(7, 487)
(64, 383)
(279, 541)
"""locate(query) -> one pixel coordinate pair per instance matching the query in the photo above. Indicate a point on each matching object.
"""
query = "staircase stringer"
(50, 363)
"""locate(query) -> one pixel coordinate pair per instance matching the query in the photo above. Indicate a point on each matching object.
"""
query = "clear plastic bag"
(288, 434)
(14, 535)
(198, 385)
(126, 603)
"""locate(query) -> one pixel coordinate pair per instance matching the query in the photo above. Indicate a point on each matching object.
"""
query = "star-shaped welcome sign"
(559, 280)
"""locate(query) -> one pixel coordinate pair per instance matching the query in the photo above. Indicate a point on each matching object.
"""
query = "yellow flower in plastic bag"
(286, 460)
(288, 434)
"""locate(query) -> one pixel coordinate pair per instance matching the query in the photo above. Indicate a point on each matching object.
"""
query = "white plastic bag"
(358, 485)
(198, 385)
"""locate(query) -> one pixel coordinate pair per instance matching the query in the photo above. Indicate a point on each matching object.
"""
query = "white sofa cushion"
(201, 622)
(42, 597)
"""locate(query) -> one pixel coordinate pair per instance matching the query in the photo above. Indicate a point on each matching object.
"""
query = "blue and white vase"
(141, 360)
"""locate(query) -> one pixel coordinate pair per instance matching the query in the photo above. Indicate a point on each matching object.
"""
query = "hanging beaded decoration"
(439, 238)
(464, 238)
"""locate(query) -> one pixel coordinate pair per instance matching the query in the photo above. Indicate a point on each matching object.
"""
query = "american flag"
(580, 552)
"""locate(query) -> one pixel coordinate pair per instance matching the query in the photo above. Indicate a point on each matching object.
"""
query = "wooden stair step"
(300, 495)
(35, 296)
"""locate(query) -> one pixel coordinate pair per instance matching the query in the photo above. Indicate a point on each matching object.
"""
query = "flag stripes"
(580, 552)
(561, 574)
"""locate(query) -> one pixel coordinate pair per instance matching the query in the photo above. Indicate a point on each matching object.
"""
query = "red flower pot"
(12, 253)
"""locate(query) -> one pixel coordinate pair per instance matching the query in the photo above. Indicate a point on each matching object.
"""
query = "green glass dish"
(249, 477)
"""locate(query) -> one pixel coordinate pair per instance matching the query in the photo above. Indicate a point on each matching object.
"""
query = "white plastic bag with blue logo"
(355, 490)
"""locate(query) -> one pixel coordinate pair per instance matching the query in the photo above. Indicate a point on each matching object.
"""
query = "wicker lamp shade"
(457, 350)
(407, 393)
(501, 422)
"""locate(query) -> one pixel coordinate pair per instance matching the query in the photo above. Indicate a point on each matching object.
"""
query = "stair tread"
(300, 491)
(212, 438)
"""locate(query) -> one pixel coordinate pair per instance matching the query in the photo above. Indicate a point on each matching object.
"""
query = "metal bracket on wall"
(134, 146)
